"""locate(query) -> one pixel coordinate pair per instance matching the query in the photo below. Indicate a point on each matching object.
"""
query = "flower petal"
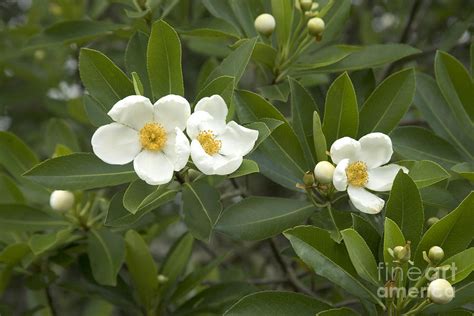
(376, 149)
(172, 111)
(381, 178)
(339, 178)
(133, 111)
(344, 148)
(202, 121)
(216, 164)
(153, 167)
(365, 201)
(116, 144)
(177, 149)
(213, 105)
(237, 140)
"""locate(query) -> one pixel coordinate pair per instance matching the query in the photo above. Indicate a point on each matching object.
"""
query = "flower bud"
(436, 254)
(308, 179)
(306, 5)
(440, 291)
(324, 171)
(265, 24)
(162, 279)
(316, 26)
(431, 221)
(61, 200)
(402, 253)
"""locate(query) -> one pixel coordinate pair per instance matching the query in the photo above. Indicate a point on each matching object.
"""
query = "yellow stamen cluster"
(153, 136)
(357, 174)
(209, 142)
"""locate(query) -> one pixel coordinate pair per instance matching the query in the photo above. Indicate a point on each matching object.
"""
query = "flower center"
(209, 142)
(357, 174)
(153, 136)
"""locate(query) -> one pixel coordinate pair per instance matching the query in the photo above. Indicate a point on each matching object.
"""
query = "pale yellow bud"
(324, 171)
(316, 26)
(265, 24)
(436, 254)
(440, 291)
(61, 200)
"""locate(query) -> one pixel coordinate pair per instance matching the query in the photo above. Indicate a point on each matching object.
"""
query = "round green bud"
(316, 26)
(306, 5)
(324, 171)
(308, 179)
(265, 24)
(440, 291)
(431, 221)
(436, 254)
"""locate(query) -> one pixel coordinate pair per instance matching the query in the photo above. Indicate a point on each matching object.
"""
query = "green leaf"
(40, 243)
(104, 81)
(465, 169)
(140, 195)
(302, 108)
(14, 253)
(441, 117)
(456, 86)
(201, 208)
(265, 127)
(276, 303)
(276, 92)
(325, 56)
(164, 61)
(343, 311)
(235, 63)
(137, 84)
(79, 171)
(282, 10)
(176, 261)
(59, 132)
(211, 28)
(135, 54)
(142, 269)
(341, 114)
(223, 86)
(462, 265)
(19, 218)
(418, 143)
(385, 107)
(329, 259)
(371, 56)
(320, 145)
(96, 112)
(106, 251)
(453, 232)
(15, 155)
(424, 172)
(463, 295)
(247, 167)
(367, 231)
(222, 10)
(257, 218)
(361, 256)
(392, 237)
(11, 194)
(68, 32)
(280, 156)
(404, 206)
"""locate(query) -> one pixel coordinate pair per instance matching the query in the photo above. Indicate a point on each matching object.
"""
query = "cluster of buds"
(401, 254)
(322, 174)
(265, 24)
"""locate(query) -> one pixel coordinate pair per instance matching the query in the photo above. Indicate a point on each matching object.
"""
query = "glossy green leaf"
(367, 231)
(392, 237)
(424, 172)
(96, 112)
(102, 78)
(385, 107)
(341, 114)
(18, 218)
(137, 84)
(222, 10)
(15, 156)
(320, 145)
(462, 265)
(201, 208)
(343, 311)
(39, 243)
(465, 169)
(247, 167)
(361, 256)
(257, 218)
(11, 194)
(14, 253)
(106, 251)
(405, 207)
(135, 56)
(277, 303)
(302, 109)
(282, 10)
(280, 156)
(79, 171)
(164, 61)
(264, 127)
(59, 132)
(453, 232)
(329, 259)
(142, 269)
(276, 92)
(140, 195)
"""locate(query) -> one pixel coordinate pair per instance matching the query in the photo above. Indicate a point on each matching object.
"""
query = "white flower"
(149, 135)
(217, 147)
(440, 291)
(61, 200)
(359, 166)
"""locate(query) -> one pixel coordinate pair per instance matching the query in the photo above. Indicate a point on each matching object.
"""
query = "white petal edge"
(344, 148)
(237, 140)
(375, 149)
(214, 105)
(177, 149)
(339, 178)
(133, 111)
(381, 178)
(216, 164)
(365, 201)
(153, 167)
(116, 144)
(172, 111)
(203, 121)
